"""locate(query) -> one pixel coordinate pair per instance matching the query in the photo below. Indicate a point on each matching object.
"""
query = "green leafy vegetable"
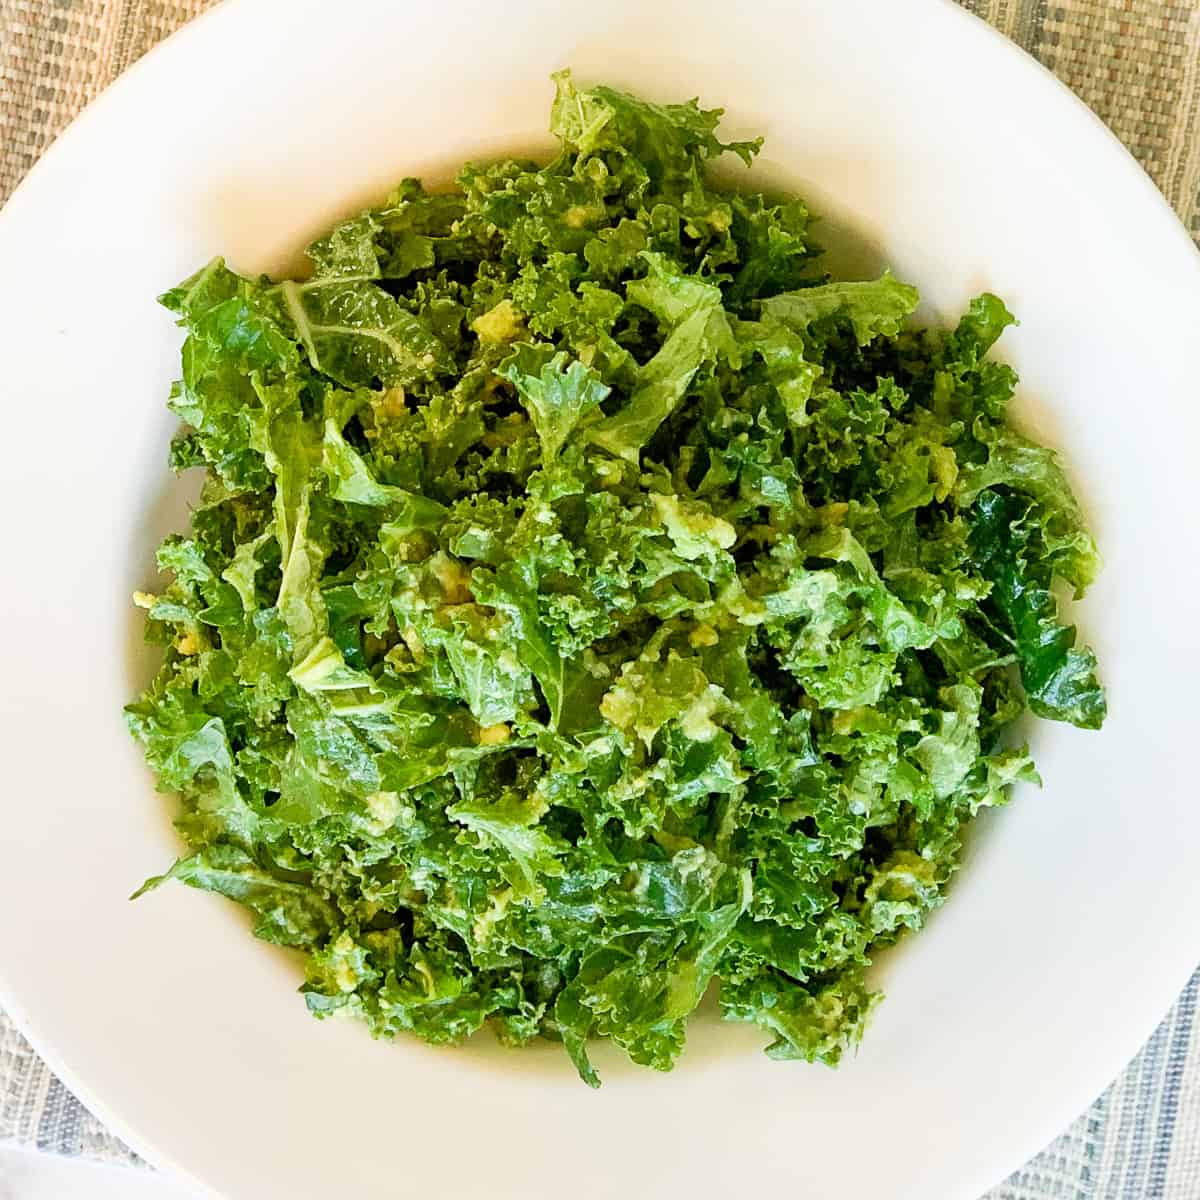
(557, 398)
(589, 602)
(1060, 679)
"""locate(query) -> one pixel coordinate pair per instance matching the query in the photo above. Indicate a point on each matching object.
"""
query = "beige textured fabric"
(1136, 62)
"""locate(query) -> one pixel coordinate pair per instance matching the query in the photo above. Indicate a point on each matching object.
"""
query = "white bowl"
(960, 163)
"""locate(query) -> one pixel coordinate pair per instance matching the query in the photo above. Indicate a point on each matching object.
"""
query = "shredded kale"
(589, 601)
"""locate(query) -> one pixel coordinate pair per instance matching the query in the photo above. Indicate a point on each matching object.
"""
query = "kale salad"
(590, 602)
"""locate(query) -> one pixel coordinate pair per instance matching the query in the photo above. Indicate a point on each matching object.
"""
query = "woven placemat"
(1137, 63)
